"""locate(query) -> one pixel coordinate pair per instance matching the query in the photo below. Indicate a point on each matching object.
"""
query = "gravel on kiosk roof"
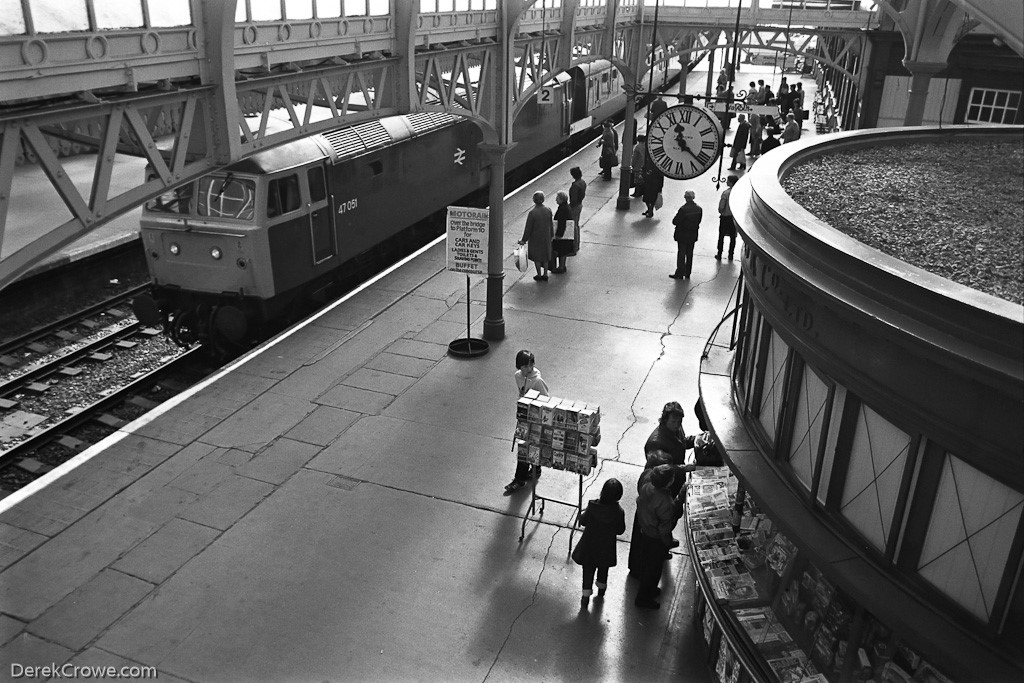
(953, 209)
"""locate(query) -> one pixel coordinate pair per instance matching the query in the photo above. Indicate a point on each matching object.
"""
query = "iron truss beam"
(161, 94)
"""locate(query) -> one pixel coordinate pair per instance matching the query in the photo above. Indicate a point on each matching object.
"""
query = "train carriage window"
(317, 188)
(283, 195)
(226, 197)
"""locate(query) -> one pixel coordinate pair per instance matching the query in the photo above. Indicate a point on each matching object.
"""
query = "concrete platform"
(330, 506)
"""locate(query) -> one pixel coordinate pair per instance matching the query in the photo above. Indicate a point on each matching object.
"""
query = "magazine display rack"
(559, 434)
(767, 613)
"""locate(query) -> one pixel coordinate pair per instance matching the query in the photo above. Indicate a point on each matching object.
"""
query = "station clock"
(684, 141)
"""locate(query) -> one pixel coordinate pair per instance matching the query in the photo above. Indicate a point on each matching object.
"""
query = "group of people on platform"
(661, 495)
(552, 238)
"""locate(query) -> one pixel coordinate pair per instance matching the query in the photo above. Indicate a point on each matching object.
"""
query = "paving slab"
(280, 460)
(15, 543)
(26, 655)
(9, 627)
(67, 561)
(322, 426)
(258, 423)
(379, 380)
(399, 364)
(171, 546)
(224, 505)
(88, 610)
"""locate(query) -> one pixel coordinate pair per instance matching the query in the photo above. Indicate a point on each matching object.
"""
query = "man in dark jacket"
(739, 143)
(687, 222)
(657, 513)
(770, 142)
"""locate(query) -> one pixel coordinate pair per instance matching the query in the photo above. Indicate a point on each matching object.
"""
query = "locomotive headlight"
(174, 248)
(215, 253)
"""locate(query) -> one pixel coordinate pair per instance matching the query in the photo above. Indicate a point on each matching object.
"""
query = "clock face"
(684, 141)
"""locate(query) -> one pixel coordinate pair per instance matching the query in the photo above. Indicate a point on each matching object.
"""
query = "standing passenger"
(564, 241)
(654, 183)
(657, 106)
(609, 149)
(770, 142)
(739, 143)
(577, 192)
(669, 439)
(756, 129)
(603, 520)
(726, 226)
(687, 222)
(637, 163)
(658, 512)
(527, 378)
(538, 233)
(792, 130)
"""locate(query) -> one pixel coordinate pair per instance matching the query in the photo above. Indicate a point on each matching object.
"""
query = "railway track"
(68, 384)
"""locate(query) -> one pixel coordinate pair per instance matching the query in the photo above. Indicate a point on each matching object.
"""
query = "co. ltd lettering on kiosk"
(467, 229)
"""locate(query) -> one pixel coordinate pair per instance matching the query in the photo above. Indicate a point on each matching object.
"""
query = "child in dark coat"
(603, 520)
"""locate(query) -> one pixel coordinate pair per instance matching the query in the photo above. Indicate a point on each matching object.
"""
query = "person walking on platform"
(726, 226)
(770, 142)
(602, 521)
(739, 143)
(654, 183)
(658, 512)
(687, 222)
(527, 378)
(537, 235)
(564, 243)
(609, 150)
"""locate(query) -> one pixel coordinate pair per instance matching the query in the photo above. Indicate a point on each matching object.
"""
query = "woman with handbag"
(654, 182)
(564, 243)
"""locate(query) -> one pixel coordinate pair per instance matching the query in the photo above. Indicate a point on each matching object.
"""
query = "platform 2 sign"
(467, 232)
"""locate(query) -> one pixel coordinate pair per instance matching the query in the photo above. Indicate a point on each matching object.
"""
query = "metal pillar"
(921, 76)
(494, 323)
(622, 202)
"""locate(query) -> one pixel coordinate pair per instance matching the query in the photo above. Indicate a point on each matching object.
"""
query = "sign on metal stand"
(466, 245)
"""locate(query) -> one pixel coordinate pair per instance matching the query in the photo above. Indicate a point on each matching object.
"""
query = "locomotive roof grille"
(428, 120)
(355, 140)
(373, 134)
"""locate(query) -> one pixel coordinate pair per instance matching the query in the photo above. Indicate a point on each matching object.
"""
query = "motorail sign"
(467, 229)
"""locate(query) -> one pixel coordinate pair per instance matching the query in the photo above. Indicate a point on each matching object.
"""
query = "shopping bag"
(520, 258)
(659, 202)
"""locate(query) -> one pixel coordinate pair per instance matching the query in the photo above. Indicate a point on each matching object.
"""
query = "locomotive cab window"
(227, 196)
(283, 195)
(176, 201)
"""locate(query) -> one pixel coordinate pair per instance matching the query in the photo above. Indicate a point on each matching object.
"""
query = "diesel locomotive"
(235, 253)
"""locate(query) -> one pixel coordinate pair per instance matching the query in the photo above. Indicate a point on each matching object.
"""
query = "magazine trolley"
(560, 434)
